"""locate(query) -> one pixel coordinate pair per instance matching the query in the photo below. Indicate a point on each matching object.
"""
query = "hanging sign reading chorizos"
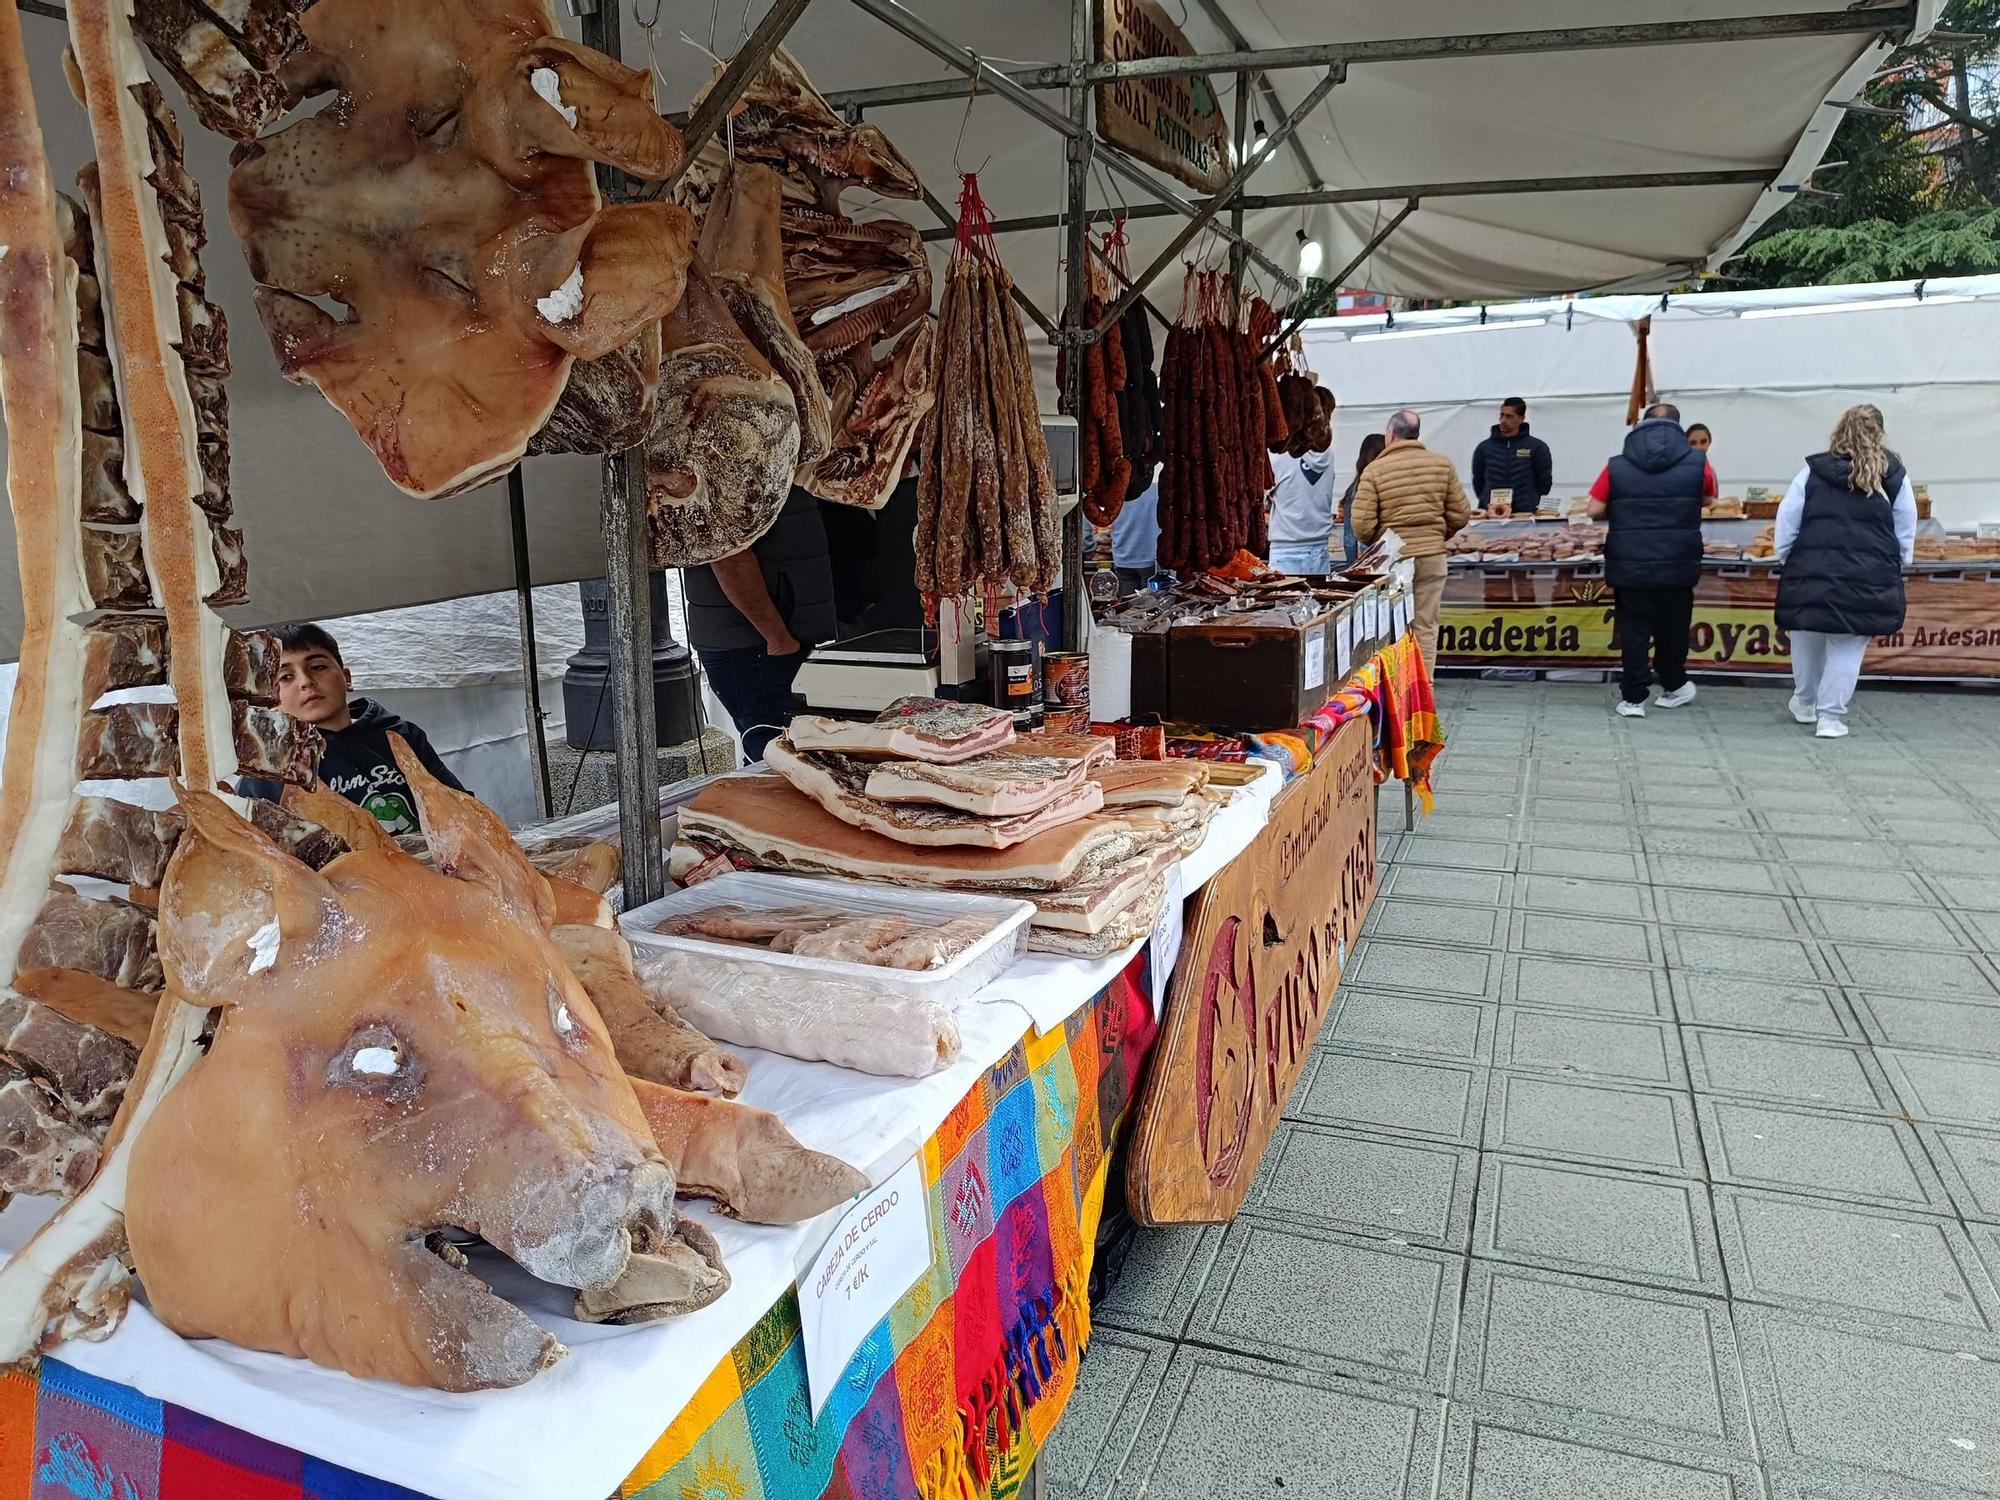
(1176, 124)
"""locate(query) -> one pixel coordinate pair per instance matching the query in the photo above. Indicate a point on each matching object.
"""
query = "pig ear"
(234, 906)
(612, 105)
(468, 841)
(610, 276)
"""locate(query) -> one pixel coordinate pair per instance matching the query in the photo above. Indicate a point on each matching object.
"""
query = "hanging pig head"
(446, 198)
(400, 1053)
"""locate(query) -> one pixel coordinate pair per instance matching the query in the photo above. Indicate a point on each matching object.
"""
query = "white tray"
(959, 979)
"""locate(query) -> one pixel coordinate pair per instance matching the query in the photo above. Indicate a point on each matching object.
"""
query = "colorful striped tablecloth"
(949, 1398)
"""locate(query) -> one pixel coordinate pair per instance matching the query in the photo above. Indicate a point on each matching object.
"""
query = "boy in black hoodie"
(313, 684)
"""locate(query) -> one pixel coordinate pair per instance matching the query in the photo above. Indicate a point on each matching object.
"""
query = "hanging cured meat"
(446, 199)
(986, 498)
(1264, 324)
(1216, 470)
(1104, 473)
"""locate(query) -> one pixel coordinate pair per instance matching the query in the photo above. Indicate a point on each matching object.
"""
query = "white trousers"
(1825, 669)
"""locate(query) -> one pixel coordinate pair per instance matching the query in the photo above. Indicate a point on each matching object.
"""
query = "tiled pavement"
(1652, 1151)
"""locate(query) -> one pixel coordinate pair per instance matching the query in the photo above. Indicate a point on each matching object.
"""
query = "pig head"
(401, 1053)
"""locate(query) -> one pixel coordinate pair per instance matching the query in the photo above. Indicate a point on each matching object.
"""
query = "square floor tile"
(1581, 864)
(1459, 854)
(1848, 1261)
(1741, 953)
(1976, 892)
(1848, 854)
(1337, 1179)
(1818, 821)
(1394, 1095)
(1969, 1161)
(1428, 883)
(1915, 971)
(1571, 1042)
(1434, 923)
(1330, 1302)
(1583, 937)
(1786, 1068)
(1518, 1460)
(1460, 1029)
(1960, 833)
(1716, 874)
(1734, 911)
(1428, 969)
(1224, 1425)
(1706, 843)
(1572, 984)
(1943, 1089)
(1868, 922)
(1696, 815)
(1595, 1222)
(1982, 929)
(1115, 1386)
(1863, 1158)
(1583, 897)
(1933, 1023)
(1853, 1407)
(1574, 807)
(1161, 1277)
(1459, 825)
(1601, 1354)
(1832, 882)
(1754, 1005)
(1647, 1130)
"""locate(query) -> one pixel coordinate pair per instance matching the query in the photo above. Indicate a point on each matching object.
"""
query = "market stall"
(1532, 594)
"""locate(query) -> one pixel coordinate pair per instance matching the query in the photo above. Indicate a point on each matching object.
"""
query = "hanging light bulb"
(1260, 137)
(1310, 255)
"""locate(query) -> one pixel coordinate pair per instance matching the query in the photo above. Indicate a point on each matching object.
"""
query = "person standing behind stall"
(1350, 545)
(1513, 463)
(1652, 558)
(1135, 538)
(1846, 529)
(1302, 513)
(1416, 494)
(753, 616)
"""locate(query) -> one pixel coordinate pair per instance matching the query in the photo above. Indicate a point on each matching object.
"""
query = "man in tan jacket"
(1416, 494)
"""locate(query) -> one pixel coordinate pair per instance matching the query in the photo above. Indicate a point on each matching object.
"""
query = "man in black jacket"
(1513, 463)
(1652, 493)
(313, 687)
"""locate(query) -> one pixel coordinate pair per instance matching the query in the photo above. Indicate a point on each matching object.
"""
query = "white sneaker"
(1680, 697)
(1803, 711)
(1630, 710)
(1830, 729)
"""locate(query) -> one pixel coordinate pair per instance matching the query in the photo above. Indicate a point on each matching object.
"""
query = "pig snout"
(583, 1238)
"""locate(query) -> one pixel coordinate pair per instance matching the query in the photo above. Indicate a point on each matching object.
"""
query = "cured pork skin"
(838, 784)
(989, 785)
(936, 730)
(743, 1158)
(1150, 783)
(659, 1048)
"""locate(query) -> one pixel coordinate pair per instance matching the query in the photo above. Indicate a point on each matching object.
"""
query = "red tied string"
(975, 221)
(1115, 241)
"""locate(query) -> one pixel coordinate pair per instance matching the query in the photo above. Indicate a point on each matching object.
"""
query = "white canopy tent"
(328, 536)
(1767, 371)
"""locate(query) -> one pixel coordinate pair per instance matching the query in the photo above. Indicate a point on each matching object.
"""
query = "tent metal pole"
(1230, 190)
(707, 117)
(1896, 21)
(1219, 18)
(1076, 251)
(901, 19)
(627, 555)
(1333, 283)
(524, 605)
(1236, 257)
(1507, 187)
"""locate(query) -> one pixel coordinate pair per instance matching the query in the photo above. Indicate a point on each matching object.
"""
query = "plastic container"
(957, 979)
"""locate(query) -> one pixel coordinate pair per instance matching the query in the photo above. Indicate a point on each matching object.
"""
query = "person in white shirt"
(1846, 530)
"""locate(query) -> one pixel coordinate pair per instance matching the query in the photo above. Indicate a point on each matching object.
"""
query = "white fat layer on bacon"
(861, 298)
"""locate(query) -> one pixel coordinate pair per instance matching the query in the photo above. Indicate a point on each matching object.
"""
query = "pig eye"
(374, 1057)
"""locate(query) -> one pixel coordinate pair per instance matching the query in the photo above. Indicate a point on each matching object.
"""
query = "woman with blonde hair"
(1846, 529)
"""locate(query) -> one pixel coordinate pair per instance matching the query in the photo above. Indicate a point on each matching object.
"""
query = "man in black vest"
(1652, 493)
(752, 618)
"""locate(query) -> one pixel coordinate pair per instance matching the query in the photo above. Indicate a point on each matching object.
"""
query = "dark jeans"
(756, 688)
(1655, 619)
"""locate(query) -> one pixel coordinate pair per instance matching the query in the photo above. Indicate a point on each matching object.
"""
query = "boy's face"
(312, 685)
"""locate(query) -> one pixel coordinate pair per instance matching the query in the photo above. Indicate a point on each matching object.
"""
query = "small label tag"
(1167, 935)
(880, 1247)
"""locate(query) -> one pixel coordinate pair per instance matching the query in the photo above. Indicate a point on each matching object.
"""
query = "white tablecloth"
(576, 1431)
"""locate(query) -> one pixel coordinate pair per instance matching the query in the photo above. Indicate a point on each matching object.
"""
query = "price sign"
(880, 1247)
(1167, 933)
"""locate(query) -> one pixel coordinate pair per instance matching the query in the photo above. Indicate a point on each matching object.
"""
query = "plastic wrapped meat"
(855, 940)
(819, 1018)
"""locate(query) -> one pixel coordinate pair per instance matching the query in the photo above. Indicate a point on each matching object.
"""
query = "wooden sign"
(1174, 123)
(1264, 947)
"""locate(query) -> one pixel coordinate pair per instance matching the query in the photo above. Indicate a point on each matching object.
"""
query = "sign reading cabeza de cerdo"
(1265, 943)
(1174, 123)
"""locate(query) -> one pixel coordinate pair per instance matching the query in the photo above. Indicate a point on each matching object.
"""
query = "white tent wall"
(1769, 387)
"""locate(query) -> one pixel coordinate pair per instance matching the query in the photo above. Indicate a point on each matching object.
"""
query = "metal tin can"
(1014, 676)
(1067, 678)
(1066, 718)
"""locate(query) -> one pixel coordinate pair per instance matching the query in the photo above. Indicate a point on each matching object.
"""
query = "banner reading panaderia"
(1554, 618)
(1174, 123)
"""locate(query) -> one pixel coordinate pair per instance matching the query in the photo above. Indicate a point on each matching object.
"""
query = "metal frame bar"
(1892, 20)
(1503, 187)
(706, 117)
(1077, 150)
(1334, 282)
(524, 605)
(1231, 191)
(1219, 18)
(1236, 255)
(914, 28)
